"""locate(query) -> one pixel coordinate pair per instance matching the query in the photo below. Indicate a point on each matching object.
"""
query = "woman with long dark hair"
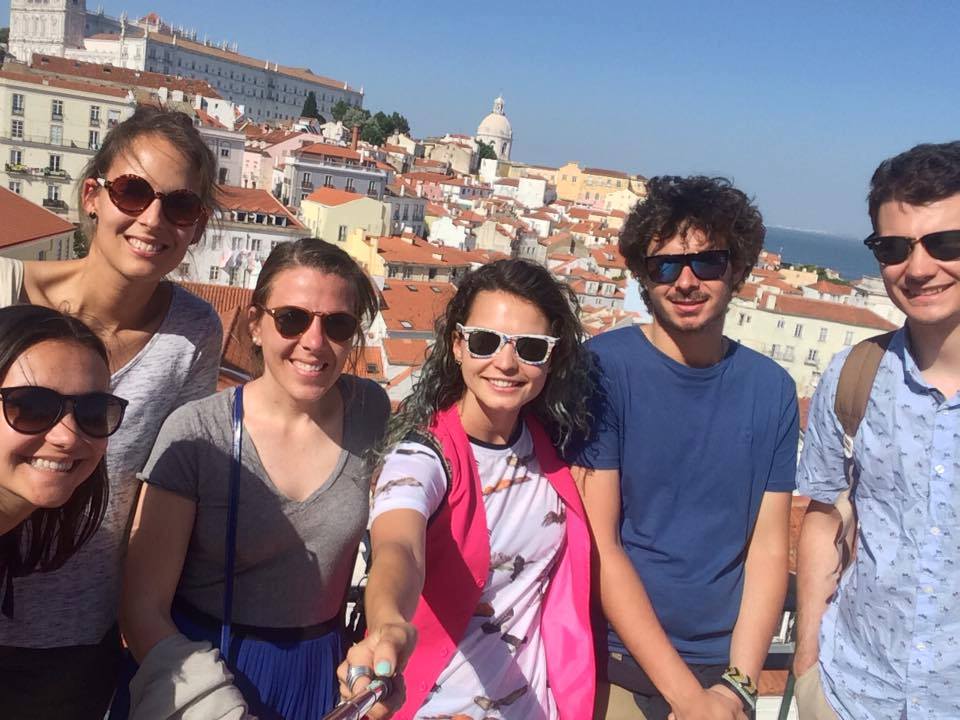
(270, 475)
(145, 196)
(480, 546)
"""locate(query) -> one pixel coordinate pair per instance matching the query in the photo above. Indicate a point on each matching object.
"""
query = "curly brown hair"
(676, 205)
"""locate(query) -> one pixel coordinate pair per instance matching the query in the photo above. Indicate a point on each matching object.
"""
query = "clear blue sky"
(796, 104)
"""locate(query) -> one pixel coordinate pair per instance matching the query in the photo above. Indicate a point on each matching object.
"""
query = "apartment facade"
(49, 130)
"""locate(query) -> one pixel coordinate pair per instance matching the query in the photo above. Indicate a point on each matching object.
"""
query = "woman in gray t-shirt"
(303, 504)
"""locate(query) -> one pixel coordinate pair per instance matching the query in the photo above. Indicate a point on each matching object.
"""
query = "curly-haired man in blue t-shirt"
(688, 474)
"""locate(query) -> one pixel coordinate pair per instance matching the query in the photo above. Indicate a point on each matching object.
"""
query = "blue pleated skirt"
(280, 679)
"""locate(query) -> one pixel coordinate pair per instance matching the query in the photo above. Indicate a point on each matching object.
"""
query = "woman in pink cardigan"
(479, 589)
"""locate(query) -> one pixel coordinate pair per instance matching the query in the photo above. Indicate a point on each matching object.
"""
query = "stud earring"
(92, 215)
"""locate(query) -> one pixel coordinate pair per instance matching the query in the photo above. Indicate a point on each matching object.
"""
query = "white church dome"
(495, 125)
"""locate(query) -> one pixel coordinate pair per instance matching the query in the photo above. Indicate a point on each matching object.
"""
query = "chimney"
(355, 137)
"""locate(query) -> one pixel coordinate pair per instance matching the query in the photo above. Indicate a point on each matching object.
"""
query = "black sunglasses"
(293, 321)
(31, 410)
(895, 249)
(131, 194)
(706, 265)
(485, 343)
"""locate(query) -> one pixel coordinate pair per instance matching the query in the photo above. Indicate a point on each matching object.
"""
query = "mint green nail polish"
(384, 667)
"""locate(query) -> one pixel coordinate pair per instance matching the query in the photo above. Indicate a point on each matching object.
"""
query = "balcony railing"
(95, 122)
(19, 169)
(45, 140)
(56, 173)
(56, 116)
(58, 206)
(16, 110)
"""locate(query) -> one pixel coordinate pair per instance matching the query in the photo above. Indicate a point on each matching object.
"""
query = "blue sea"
(847, 255)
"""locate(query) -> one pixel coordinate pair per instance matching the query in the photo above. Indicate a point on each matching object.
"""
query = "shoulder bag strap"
(232, 512)
(853, 392)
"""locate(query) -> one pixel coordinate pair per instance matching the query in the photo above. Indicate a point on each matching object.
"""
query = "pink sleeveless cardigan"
(457, 563)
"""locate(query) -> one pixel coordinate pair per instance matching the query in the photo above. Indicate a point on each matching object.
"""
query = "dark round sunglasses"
(485, 343)
(31, 410)
(895, 249)
(293, 321)
(131, 194)
(706, 265)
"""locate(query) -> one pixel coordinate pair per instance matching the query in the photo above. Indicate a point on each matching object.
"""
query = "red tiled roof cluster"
(832, 312)
(256, 200)
(23, 221)
(415, 303)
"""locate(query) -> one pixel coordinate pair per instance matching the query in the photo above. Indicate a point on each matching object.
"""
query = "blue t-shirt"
(696, 449)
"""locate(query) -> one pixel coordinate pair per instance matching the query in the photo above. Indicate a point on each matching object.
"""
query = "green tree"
(80, 244)
(400, 123)
(372, 133)
(385, 122)
(339, 110)
(356, 117)
(485, 151)
(310, 107)
(4, 35)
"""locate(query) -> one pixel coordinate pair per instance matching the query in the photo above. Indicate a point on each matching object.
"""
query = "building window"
(222, 175)
(16, 128)
(53, 192)
(214, 273)
(798, 331)
(350, 185)
(224, 152)
(372, 188)
(848, 337)
(781, 323)
(307, 180)
(55, 162)
(17, 107)
(406, 324)
(184, 269)
(113, 118)
(823, 334)
(94, 114)
(255, 244)
(93, 140)
(236, 242)
(328, 180)
(56, 109)
(16, 156)
(812, 355)
(56, 135)
(342, 234)
(15, 186)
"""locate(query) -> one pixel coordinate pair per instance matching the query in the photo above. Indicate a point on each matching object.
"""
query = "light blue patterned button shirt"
(890, 641)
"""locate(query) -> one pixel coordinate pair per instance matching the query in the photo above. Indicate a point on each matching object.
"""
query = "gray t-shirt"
(293, 559)
(77, 604)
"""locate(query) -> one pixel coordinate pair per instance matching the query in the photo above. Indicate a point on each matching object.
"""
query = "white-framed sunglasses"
(484, 343)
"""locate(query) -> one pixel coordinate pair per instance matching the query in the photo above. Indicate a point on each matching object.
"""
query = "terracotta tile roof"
(24, 221)
(764, 273)
(436, 210)
(417, 304)
(748, 291)
(209, 50)
(482, 257)
(425, 177)
(120, 76)
(830, 288)
(255, 200)
(331, 197)
(784, 287)
(327, 150)
(9, 74)
(418, 252)
(387, 147)
(606, 173)
(832, 312)
(609, 258)
(405, 351)
(209, 120)
(509, 182)
(369, 365)
(231, 304)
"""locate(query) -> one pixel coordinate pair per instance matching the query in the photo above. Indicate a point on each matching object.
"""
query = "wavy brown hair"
(562, 404)
(46, 539)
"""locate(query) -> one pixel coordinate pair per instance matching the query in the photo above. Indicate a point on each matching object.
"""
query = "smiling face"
(689, 305)
(45, 469)
(304, 367)
(146, 246)
(925, 289)
(499, 386)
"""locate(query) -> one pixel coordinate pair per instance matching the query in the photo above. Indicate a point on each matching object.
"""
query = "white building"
(496, 130)
(234, 245)
(321, 165)
(801, 334)
(49, 130)
(266, 89)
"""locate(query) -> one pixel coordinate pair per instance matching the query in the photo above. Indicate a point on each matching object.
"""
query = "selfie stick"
(359, 705)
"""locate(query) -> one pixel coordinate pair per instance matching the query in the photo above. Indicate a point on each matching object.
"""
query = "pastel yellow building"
(569, 181)
(333, 214)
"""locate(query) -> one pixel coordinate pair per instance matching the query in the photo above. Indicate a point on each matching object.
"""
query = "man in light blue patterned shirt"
(884, 643)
